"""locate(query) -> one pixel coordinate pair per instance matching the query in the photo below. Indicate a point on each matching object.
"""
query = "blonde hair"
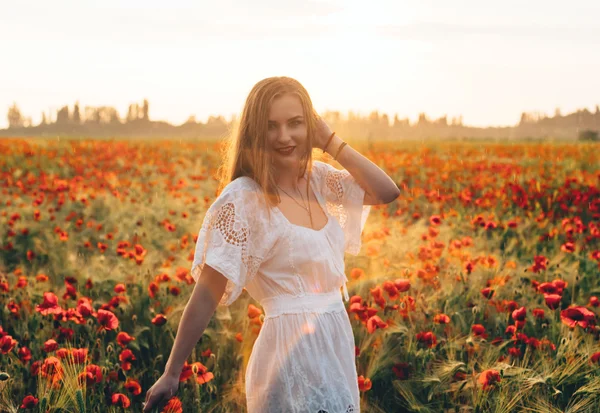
(246, 150)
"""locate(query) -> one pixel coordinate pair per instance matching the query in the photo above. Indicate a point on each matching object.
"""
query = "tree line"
(105, 115)
(103, 121)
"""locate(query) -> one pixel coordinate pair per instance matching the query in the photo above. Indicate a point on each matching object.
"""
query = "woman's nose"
(284, 133)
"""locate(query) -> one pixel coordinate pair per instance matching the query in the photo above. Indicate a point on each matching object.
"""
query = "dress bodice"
(268, 255)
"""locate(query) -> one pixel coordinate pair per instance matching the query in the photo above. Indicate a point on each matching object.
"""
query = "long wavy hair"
(246, 151)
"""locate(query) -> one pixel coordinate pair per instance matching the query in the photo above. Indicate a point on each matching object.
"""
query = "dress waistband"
(308, 303)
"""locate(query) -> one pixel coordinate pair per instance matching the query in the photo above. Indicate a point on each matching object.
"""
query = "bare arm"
(379, 187)
(197, 313)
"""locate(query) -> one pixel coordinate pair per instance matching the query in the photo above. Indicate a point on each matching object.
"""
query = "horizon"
(485, 63)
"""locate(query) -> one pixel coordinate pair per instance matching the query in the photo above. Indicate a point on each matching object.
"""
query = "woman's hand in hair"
(323, 132)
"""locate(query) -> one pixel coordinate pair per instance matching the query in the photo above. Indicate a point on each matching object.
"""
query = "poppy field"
(477, 290)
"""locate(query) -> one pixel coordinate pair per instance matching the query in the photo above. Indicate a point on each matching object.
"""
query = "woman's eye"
(297, 122)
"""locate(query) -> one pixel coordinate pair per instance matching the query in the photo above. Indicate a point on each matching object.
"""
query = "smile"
(287, 151)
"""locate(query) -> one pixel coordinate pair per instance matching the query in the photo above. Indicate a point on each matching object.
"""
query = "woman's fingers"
(151, 401)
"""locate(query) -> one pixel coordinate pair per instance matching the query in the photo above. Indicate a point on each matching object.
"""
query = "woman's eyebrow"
(295, 117)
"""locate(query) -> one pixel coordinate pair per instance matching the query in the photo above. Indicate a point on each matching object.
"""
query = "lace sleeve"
(232, 239)
(344, 200)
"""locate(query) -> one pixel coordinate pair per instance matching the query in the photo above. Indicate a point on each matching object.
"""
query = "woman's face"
(287, 128)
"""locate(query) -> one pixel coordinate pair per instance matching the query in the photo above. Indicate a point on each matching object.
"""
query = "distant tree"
(216, 121)
(557, 113)
(145, 110)
(443, 121)
(62, 116)
(44, 121)
(385, 121)
(91, 115)
(525, 118)
(374, 117)
(423, 119)
(76, 117)
(108, 115)
(14, 116)
(133, 112)
(190, 120)
(400, 122)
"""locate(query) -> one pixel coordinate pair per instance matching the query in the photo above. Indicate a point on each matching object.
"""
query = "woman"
(279, 229)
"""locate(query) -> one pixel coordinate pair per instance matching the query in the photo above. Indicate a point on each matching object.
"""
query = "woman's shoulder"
(241, 185)
(323, 168)
(319, 164)
(245, 192)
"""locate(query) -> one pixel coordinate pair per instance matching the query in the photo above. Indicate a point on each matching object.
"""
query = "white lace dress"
(303, 359)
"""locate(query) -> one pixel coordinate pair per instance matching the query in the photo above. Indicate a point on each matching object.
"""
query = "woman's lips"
(286, 151)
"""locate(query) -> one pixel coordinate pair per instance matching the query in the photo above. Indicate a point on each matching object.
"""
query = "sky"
(487, 61)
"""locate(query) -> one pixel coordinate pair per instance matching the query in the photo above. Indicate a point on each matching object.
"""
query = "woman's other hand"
(164, 388)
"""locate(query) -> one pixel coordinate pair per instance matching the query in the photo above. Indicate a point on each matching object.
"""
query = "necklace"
(307, 209)
(294, 199)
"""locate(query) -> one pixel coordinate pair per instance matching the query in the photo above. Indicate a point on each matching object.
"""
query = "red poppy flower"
(119, 399)
(552, 300)
(253, 311)
(510, 306)
(568, 247)
(402, 370)
(52, 369)
(133, 386)
(159, 320)
(578, 315)
(50, 345)
(29, 402)
(363, 383)
(173, 406)
(538, 313)
(96, 372)
(487, 292)
(540, 263)
(441, 319)
(478, 330)
(548, 288)
(374, 323)
(391, 289)
(515, 352)
(49, 305)
(24, 354)
(402, 284)
(560, 285)
(488, 378)
(377, 295)
(125, 357)
(428, 338)
(519, 314)
(435, 220)
(123, 339)
(7, 343)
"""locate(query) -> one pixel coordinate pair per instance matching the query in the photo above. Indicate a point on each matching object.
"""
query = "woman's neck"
(290, 181)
